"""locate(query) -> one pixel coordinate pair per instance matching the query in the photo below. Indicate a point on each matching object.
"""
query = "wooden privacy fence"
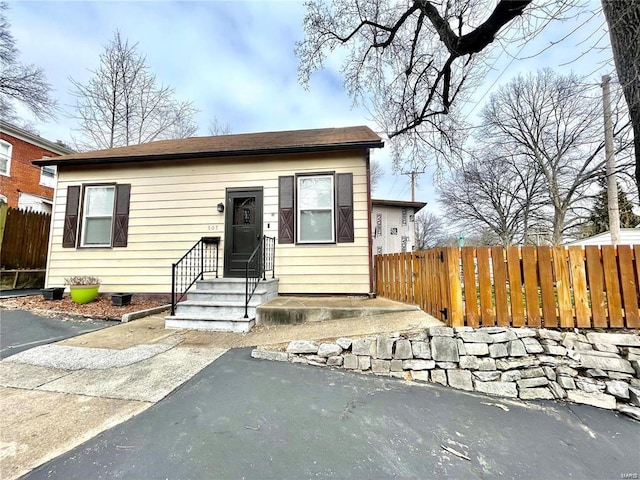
(24, 239)
(566, 287)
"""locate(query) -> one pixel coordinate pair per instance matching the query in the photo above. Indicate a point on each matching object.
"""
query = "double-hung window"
(5, 158)
(48, 175)
(315, 209)
(97, 215)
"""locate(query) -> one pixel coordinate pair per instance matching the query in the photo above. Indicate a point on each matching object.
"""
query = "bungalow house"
(127, 214)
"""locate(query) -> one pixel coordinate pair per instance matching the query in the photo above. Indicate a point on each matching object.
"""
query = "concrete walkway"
(55, 397)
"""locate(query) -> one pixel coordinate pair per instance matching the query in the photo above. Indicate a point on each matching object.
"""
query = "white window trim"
(332, 209)
(46, 181)
(9, 154)
(84, 217)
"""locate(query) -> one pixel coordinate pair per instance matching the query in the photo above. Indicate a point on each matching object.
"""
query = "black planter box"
(121, 299)
(54, 293)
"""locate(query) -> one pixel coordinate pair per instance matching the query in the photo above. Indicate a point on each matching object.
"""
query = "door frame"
(230, 193)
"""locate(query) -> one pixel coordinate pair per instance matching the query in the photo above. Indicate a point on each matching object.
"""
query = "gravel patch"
(78, 358)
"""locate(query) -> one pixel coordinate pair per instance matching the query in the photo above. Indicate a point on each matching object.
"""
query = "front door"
(243, 228)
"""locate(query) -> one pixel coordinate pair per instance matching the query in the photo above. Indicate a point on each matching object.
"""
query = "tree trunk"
(623, 18)
(558, 224)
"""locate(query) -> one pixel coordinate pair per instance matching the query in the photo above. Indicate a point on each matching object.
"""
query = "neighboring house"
(22, 184)
(126, 214)
(628, 236)
(393, 225)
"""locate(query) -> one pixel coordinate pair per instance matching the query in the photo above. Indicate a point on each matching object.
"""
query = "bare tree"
(429, 230)
(497, 194)
(122, 104)
(414, 63)
(217, 127)
(376, 172)
(554, 122)
(26, 84)
(624, 31)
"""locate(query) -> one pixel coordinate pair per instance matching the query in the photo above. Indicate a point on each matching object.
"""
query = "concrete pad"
(38, 426)
(20, 375)
(147, 330)
(148, 381)
(338, 302)
(77, 358)
(150, 330)
(295, 310)
(326, 330)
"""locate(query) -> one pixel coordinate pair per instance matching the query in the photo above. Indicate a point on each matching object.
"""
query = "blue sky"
(235, 60)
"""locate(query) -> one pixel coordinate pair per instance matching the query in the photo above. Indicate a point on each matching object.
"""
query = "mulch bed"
(100, 309)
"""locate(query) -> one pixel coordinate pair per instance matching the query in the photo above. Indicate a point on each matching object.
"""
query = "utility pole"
(612, 185)
(413, 174)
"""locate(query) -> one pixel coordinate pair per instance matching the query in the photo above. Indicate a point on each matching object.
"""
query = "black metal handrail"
(261, 261)
(200, 259)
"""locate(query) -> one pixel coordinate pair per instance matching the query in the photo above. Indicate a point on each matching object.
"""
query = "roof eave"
(398, 203)
(59, 161)
(29, 137)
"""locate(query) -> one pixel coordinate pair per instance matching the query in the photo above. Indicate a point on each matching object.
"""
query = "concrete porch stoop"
(294, 310)
(218, 305)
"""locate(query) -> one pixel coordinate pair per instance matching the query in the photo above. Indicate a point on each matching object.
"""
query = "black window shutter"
(121, 216)
(344, 195)
(70, 230)
(286, 213)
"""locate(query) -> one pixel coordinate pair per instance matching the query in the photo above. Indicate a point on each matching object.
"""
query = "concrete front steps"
(218, 305)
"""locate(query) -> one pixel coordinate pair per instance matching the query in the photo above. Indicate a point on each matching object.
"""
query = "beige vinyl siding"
(173, 205)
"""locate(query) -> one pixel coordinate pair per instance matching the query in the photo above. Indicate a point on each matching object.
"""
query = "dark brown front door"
(243, 228)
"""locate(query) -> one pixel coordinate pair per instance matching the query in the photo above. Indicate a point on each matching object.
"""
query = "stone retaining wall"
(599, 369)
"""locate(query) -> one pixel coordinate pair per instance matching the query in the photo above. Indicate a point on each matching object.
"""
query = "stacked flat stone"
(599, 369)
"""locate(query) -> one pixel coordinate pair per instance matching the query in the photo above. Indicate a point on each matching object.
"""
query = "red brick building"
(22, 184)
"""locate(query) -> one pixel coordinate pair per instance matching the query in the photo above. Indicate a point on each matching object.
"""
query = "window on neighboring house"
(48, 176)
(5, 158)
(96, 216)
(315, 213)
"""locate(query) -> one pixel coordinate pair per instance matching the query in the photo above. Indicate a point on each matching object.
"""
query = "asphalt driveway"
(244, 418)
(20, 330)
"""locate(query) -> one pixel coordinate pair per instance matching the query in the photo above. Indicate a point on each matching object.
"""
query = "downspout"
(369, 238)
